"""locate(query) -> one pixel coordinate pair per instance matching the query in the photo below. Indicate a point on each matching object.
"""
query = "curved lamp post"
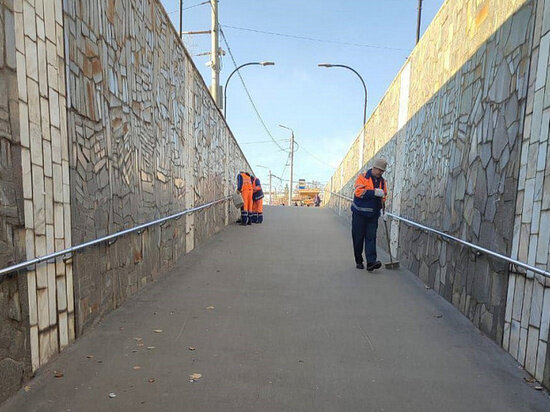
(235, 71)
(328, 65)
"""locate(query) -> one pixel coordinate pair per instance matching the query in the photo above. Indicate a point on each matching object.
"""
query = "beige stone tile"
(67, 222)
(59, 40)
(63, 330)
(52, 298)
(545, 317)
(70, 289)
(53, 77)
(42, 68)
(54, 108)
(72, 335)
(33, 100)
(21, 76)
(29, 243)
(541, 360)
(48, 190)
(532, 347)
(49, 20)
(33, 303)
(31, 59)
(61, 293)
(36, 144)
(40, 32)
(34, 347)
(57, 183)
(59, 225)
(24, 124)
(19, 33)
(38, 200)
(56, 145)
(29, 20)
(522, 346)
(50, 240)
(47, 155)
(26, 173)
(41, 278)
(29, 214)
(43, 308)
(51, 53)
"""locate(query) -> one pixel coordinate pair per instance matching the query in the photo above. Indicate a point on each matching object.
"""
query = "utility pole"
(418, 21)
(270, 192)
(215, 56)
(181, 18)
(291, 167)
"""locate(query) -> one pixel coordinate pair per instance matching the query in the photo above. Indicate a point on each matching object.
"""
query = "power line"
(294, 36)
(316, 158)
(263, 141)
(248, 93)
(190, 7)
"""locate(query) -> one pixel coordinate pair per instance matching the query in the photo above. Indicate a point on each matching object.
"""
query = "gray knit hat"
(380, 163)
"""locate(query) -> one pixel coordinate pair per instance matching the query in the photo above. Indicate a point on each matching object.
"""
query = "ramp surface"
(280, 320)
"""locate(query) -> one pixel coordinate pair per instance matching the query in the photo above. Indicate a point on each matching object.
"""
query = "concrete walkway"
(297, 328)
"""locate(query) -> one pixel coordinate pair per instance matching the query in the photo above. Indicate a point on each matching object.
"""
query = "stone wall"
(105, 123)
(528, 303)
(146, 141)
(14, 324)
(452, 126)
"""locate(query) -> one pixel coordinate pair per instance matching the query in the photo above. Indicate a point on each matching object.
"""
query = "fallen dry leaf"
(151, 380)
(58, 374)
(538, 388)
(27, 388)
(89, 356)
(195, 377)
(137, 367)
(150, 347)
(210, 307)
(157, 330)
(530, 380)
(140, 344)
(191, 348)
(138, 339)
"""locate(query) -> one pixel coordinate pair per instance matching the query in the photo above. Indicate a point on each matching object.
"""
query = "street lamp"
(291, 162)
(232, 73)
(328, 65)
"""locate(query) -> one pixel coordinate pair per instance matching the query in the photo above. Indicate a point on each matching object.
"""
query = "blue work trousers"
(363, 233)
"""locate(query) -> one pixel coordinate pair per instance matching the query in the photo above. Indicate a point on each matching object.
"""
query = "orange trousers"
(246, 211)
(258, 211)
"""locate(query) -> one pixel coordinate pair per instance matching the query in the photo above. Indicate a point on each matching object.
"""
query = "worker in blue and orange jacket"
(257, 201)
(369, 198)
(244, 187)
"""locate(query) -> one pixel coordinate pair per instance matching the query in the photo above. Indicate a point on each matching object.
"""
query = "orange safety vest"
(247, 182)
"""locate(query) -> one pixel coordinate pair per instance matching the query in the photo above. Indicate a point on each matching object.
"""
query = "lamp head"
(324, 65)
(267, 63)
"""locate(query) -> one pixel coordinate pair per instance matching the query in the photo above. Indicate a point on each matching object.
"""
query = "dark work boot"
(359, 266)
(374, 265)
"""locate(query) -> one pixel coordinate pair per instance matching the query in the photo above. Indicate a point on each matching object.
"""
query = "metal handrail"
(462, 242)
(139, 229)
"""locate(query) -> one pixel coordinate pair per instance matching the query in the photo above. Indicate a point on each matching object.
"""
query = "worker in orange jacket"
(244, 187)
(257, 201)
(369, 198)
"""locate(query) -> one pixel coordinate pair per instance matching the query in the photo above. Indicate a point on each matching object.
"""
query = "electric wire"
(294, 36)
(190, 7)
(248, 93)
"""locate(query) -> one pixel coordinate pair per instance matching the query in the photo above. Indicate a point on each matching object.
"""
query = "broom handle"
(387, 234)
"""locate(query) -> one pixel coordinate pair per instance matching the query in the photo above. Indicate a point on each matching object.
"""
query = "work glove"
(378, 192)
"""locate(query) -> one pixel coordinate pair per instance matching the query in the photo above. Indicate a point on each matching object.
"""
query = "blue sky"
(323, 106)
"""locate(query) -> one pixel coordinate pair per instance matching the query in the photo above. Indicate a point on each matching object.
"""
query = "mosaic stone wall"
(526, 330)
(45, 173)
(460, 160)
(14, 325)
(146, 141)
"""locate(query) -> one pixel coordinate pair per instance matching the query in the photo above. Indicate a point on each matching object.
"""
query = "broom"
(393, 264)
